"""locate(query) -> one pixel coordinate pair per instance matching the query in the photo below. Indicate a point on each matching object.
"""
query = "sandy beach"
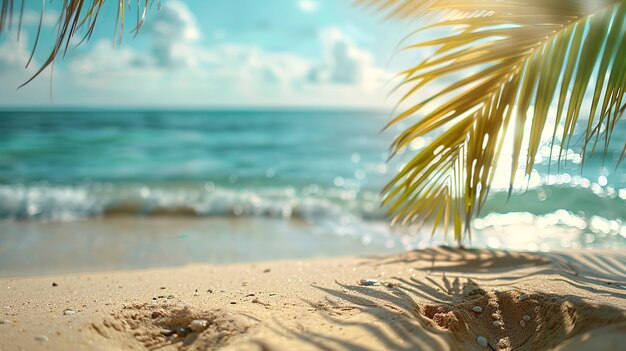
(312, 175)
(432, 299)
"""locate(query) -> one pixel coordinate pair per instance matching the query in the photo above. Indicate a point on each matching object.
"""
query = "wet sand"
(135, 242)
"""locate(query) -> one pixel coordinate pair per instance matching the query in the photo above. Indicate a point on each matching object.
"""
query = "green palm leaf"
(512, 61)
(515, 58)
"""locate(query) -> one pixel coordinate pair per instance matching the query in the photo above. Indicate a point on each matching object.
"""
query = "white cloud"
(307, 5)
(179, 69)
(103, 65)
(13, 53)
(32, 18)
(238, 70)
(344, 62)
(251, 63)
(176, 33)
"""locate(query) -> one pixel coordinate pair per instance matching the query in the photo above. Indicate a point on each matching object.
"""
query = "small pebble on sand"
(55, 284)
(522, 323)
(267, 270)
(68, 311)
(369, 282)
(4, 321)
(481, 340)
(198, 325)
(526, 318)
(497, 323)
(183, 331)
(477, 309)
(41, 338)
(495, 316)
(523, 297)
(250, 294)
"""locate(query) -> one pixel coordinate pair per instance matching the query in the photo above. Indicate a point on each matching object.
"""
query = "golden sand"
(425, 301)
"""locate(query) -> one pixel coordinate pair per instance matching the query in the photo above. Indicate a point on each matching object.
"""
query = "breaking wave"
(72, 202)
(593, 215)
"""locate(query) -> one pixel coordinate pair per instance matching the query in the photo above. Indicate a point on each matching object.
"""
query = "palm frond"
(76, 15)
(513, 61)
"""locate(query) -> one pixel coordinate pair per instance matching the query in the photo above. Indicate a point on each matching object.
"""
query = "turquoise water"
(324, 168)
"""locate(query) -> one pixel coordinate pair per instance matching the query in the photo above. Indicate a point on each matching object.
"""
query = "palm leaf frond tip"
(76, 15)
(516, 64)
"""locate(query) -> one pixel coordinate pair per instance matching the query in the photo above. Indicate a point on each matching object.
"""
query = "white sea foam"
(70, 202)
(351, 213)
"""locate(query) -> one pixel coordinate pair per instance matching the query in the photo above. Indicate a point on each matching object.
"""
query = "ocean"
(89, 189)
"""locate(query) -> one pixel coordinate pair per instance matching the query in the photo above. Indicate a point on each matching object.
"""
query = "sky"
(212, 54)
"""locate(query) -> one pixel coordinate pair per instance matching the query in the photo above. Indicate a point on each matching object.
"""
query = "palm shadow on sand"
(591, 272)
(435, 312)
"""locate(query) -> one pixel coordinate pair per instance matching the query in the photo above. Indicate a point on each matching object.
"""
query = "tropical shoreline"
(422, 299)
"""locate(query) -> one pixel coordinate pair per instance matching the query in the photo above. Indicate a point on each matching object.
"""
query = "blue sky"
(197, 53)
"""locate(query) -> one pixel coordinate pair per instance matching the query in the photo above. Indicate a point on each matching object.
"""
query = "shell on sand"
(198, 325)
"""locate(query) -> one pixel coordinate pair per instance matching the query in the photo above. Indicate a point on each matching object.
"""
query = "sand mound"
(155, 326)
(507, 320)
(514, 320)
(512, 300)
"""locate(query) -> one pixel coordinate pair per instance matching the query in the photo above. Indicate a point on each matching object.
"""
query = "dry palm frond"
(523, 57)
(75, 15)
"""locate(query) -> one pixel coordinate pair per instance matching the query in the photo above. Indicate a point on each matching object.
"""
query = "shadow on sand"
(435, 311)
(600, 274)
